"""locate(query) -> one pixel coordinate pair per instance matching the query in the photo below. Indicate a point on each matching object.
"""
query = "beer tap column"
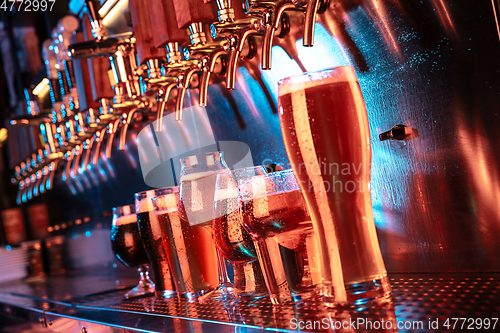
(239, 32)
(169, 36)
(93, 77)
(191, 14)
(65, 28)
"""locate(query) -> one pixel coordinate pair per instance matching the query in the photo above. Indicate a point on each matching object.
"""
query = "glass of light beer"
(150, 231)
(189, 249)
(128, 248)
(325, 130)
(275, 214)
(196, 205)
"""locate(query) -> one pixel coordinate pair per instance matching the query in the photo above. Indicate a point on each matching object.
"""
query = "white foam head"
(198, 175)
(127, 219)
(313, 79)
(226, 193)
(144, 204)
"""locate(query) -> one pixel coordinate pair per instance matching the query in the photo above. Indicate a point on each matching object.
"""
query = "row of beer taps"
(73, 137)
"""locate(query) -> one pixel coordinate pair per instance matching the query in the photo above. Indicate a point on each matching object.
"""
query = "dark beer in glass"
(129, 249)
(150, 231)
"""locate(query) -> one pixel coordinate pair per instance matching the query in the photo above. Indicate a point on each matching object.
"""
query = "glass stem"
(144, 274)
(222, 269)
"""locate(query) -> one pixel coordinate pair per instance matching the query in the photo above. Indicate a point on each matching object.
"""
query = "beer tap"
(63, 122)
(191, 14)
(239, 32)
(103, 50)
(107, 119)
(49, 154)
(169, 36)
(272, 13)
(226, 15)
(87, 126)
(62, 33)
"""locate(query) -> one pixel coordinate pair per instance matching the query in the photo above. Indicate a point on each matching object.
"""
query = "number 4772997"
(27, 5)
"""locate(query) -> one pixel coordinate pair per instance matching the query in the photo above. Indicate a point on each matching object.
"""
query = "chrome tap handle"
(45, 175)
(162, 98)
(208, 54)
(24, 197)
(127, 117)
(183, 84)
(20, 192)
(36, 188)
(126, 120)
(87, 146)
(69, 160)
(270, 28)
(112, 130)
(309, 22)
(238, 32)
(52, 171)
(205, 77)
(75, 166)
(31, 187)
(99, 138)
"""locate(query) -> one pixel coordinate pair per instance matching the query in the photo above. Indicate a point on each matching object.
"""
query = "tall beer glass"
(190, 249)
(150, 231)
(325, 129)
(196, 205)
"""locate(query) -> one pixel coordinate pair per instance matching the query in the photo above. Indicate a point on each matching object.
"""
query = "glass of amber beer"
(128, 248)
(275, 214)
(189, 249)
(325, 130)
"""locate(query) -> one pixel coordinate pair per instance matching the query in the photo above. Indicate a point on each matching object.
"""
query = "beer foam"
(167, 202)
(145, 204)
(199, 175)
(127, 219)
(166, 211)
(313, 79)
(226, 193)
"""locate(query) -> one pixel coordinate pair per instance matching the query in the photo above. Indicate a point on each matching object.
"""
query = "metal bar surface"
(61, 304)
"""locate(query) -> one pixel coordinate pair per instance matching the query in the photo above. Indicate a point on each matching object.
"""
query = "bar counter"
(92, 301)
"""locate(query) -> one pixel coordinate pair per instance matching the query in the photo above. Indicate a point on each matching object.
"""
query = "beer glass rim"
(159, 191)
(255, 167)
(194, 159)
(306, 79)
(273, 176)
(119, 209)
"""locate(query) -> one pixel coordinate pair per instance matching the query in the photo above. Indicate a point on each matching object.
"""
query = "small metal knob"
(399, 132)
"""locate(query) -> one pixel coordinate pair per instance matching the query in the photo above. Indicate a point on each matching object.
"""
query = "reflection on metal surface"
(417, 301)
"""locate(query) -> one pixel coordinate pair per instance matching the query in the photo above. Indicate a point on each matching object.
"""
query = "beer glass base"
(220, 293)
(165, 293)
(140, 290)
(251, 296)
(305, 295)
(145, 287)
(191, 296)
(378, 290)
